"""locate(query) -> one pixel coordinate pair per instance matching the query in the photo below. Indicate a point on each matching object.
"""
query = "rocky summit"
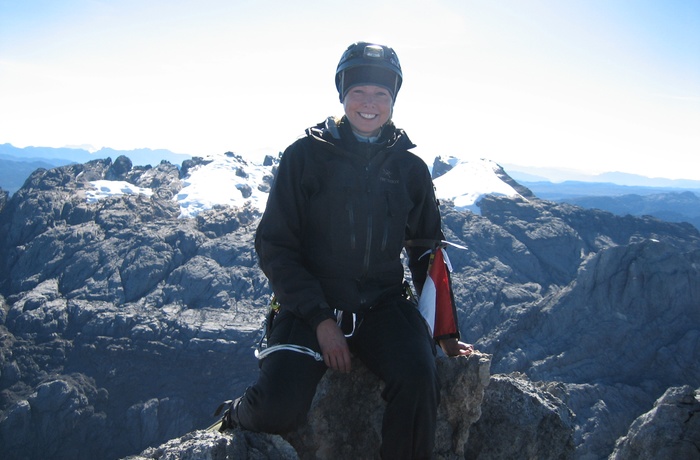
(124, 322)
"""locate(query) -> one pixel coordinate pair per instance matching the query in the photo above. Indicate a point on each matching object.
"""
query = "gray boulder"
(345, 419)
(498, 418)
(212, 445)
(346, 415)
(670, 430)
(521, 419)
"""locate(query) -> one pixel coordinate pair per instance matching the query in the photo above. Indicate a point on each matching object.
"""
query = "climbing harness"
(263, 351)
(348, 322)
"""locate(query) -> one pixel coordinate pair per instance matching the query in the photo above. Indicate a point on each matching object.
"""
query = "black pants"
(394, 343)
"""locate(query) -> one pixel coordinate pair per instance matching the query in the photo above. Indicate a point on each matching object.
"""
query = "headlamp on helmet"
(374, 52)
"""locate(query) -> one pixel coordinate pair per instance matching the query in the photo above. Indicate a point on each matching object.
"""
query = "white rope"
(261, 354)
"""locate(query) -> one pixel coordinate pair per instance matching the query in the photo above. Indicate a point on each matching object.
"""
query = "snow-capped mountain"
(467, 181)
(224, 180)
(231, 180)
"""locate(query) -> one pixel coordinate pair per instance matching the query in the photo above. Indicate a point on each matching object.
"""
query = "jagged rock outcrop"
(4, 196)
(346, 415)
(670, 430)
(586, 298)
(345, 419)
(212, 445)
(128, 325)
(521, 419)
(440, 167)
(123, 294)
(516, 419)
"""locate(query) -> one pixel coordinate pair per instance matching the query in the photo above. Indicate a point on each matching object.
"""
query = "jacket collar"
(338, 133)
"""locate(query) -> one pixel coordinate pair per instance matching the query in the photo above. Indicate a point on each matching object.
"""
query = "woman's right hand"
(334, 346)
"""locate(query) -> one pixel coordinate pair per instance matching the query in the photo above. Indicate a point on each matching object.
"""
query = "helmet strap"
(342, 85)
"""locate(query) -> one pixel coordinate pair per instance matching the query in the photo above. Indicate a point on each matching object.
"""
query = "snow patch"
(107, 188)
(231, 180)
(226, 180)
(468, 181)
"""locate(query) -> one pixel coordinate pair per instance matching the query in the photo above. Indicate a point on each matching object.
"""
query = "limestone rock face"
(523, 420)
(346, 415)
(606, 305)
(501, 417)
(212, 445)
(670, 430)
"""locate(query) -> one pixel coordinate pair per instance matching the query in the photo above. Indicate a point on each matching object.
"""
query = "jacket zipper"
(385, 235)
(368, 246)
(351, 218)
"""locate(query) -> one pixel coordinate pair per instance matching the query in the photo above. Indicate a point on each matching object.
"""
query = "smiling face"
(368, 108)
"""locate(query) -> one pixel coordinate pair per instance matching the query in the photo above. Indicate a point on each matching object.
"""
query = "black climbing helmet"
(368, 63)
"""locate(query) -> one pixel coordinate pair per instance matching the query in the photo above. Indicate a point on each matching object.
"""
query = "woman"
(346, 199)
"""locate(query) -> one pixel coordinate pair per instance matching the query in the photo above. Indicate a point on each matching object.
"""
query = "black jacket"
(337, 217)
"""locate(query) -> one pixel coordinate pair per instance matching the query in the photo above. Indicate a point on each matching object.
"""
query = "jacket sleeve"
(423, 242)
(423, 230)
(278, 242)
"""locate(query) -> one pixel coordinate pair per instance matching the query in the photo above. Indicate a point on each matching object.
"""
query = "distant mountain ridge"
(668, 204)
(464, 186)
(140, 157)
(671, 204)
(642, 181)
(555, 175)
(231, 180)
(574, 189)
(16, 164)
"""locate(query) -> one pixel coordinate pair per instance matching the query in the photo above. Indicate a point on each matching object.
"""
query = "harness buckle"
(347, 322)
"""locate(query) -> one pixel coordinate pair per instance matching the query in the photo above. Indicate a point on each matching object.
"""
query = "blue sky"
(589, 85)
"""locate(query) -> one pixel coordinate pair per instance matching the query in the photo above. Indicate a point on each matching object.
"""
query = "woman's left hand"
(453, 347)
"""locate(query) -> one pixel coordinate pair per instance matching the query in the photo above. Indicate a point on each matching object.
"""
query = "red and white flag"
(436, 302)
